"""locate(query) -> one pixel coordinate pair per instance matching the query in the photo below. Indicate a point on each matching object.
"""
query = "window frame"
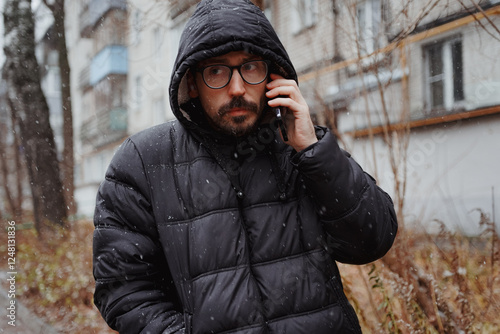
(304, 15)
(453, 96)
(157, 43)
(369, 35)
(159, 110)
(136, 27)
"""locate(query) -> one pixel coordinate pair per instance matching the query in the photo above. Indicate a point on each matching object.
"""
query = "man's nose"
(236, 84)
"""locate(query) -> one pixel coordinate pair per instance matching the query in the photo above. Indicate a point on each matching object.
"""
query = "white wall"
(452, 170)
(91, 173)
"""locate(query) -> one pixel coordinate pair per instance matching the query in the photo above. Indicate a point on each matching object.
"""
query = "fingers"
(285, 93)
(280, 86)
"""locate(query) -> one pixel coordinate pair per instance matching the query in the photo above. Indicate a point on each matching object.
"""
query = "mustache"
(238, 102)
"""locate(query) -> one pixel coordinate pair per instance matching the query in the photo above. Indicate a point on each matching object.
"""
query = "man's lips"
(238, 112)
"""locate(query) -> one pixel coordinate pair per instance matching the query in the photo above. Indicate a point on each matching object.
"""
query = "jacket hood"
(218, 27)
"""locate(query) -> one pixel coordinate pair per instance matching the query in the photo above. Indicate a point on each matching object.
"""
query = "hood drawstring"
(224, 162)
(278, 174)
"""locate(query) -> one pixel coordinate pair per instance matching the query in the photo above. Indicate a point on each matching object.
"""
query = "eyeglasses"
(218, 76)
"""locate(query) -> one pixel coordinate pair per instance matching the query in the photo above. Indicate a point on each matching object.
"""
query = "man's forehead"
(231, 57)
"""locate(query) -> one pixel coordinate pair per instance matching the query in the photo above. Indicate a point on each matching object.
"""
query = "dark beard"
(236, 125)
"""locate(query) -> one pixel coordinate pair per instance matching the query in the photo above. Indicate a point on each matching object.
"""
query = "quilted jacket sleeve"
(358, 216)
(134, 291)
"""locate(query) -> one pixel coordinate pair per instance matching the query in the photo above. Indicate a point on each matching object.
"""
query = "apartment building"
(410, 87)
(153, 41)
(121, 55)
(97, 37)
(413, 90)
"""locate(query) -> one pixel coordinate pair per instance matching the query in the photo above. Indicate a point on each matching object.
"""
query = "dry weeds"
(444, 283)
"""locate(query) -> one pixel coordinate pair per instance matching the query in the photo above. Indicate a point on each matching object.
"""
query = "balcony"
(113, 59)
(105, 128)
(95, 10)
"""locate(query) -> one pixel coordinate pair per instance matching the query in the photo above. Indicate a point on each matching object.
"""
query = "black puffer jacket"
(197, 233)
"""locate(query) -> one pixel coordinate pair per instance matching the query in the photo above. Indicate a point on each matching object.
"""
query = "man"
(213, 223)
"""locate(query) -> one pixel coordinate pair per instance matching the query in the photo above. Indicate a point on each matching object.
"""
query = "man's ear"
(192, 88)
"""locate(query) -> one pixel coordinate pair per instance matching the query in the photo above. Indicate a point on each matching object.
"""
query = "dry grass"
(446, 283)
(55, 278)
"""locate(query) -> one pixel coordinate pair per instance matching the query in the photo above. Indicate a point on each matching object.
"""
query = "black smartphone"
(279, 115)
(281, 124)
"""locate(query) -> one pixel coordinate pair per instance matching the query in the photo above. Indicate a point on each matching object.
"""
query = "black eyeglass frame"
(231, 70)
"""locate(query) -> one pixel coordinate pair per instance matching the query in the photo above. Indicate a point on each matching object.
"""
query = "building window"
(175, 33)
(444, 74)
(157, 43)
(136, 27)
(159, 115)
(138, 91)
(369, 25)
(119, 89)
(304, 14)
(268, 10)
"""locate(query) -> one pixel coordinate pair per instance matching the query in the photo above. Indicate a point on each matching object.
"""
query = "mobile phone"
(279, 120)
(281, 124)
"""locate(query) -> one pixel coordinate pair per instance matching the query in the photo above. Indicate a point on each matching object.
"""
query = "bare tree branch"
(478, 19)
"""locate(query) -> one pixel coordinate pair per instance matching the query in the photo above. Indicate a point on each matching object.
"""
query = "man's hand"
(285, 93)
